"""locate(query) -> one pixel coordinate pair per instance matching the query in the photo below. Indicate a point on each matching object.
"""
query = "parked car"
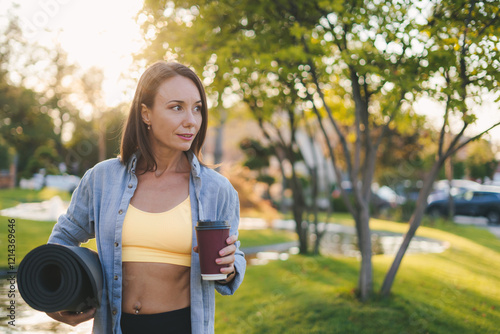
(381, 197)
(442, 189)
(474, 203)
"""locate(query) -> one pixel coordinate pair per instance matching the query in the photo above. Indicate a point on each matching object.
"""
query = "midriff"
(155, 287)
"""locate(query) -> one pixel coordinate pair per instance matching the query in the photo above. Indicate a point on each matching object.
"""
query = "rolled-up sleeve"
(77, 225)
(233, 210)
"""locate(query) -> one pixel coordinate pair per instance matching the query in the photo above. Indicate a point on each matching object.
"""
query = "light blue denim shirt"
(97, 209)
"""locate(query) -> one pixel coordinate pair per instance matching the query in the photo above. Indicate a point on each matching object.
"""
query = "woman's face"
(175, 117)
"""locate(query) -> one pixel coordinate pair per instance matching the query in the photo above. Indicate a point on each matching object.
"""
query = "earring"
(149, 126)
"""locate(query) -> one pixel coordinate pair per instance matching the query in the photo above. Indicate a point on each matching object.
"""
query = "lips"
(185, 136)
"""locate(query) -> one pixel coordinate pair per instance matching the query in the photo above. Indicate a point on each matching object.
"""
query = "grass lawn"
(457, 291)
(12, 197)
(252, 238)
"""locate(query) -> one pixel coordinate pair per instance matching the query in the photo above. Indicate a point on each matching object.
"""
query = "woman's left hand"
(227, 257)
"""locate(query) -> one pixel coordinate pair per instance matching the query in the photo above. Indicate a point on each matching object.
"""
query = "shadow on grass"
(317, 295)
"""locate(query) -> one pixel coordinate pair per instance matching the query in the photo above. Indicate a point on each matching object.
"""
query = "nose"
(189, 120)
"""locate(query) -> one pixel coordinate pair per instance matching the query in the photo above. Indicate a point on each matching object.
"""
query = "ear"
(145, 114)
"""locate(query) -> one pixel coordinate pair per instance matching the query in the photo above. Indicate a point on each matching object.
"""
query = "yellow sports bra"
(164, 237)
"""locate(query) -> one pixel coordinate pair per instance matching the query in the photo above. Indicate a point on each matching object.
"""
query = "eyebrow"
(180, 101)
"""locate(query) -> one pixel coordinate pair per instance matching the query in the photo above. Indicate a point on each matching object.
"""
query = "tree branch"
(342, 138)
(463, 69)
(446, 115)
(454, 142)
(336, 168)
(471, 139)
(358, 104)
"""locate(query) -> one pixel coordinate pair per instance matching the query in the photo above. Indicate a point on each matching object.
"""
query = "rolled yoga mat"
(55, 278)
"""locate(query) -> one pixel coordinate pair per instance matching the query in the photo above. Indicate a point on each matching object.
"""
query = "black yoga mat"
(55, 278)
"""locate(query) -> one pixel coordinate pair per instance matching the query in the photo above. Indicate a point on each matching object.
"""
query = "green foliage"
(25, 127)
(373, 59)
(83, 151)
(268, 179)
(338, 204)
(5, 156)
(459, 170)
(45, 157)
(257, 156)
(480, 162)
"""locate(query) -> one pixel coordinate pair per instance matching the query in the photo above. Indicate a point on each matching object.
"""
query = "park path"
(282, 247)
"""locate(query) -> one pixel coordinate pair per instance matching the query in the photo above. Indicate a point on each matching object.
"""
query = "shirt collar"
(132, 162)
(195, 164)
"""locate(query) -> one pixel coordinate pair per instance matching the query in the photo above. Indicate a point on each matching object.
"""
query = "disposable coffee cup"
(211, 236)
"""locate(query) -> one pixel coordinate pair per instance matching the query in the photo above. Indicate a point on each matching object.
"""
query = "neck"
(170, 162)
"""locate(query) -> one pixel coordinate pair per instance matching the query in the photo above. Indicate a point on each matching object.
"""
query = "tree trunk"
(314, 198)
(365, 247)
(449, 174)
(102, 143)
(218, 150)
(301, 227)
(298, 206)
(415, 221)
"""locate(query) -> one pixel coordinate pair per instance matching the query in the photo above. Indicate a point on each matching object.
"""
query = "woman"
(142, 208)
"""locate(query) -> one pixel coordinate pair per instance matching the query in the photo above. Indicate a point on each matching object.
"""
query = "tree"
(257, 159)
(211, 36)
(164, 28)
(278, 51)
(91, 83)
(356, 66)
(83, 148)
(25, 125)
(57, 100)
(463, 36)
(45, 157)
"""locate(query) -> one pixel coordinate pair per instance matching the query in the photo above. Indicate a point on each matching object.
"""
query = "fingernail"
(222, 253)
(218, 260)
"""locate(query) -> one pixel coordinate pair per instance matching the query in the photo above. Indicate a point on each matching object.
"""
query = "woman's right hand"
(73, 318)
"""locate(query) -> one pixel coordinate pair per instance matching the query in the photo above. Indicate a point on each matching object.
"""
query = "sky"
(100, 33)
(104, 33)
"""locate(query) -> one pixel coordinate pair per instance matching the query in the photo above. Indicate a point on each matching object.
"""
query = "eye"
(197, 108)
(177, 107)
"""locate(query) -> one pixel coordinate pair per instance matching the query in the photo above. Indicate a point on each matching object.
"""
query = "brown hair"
(135, 134)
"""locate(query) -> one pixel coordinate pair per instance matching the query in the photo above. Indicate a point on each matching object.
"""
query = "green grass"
(457, 291)
(12, 197)
(252, 238)
(28, 233)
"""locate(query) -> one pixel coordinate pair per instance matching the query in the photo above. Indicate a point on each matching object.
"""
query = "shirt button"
(120, 212)
(130, 185)
(114, 312)
(116, 277)
(116, 244)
